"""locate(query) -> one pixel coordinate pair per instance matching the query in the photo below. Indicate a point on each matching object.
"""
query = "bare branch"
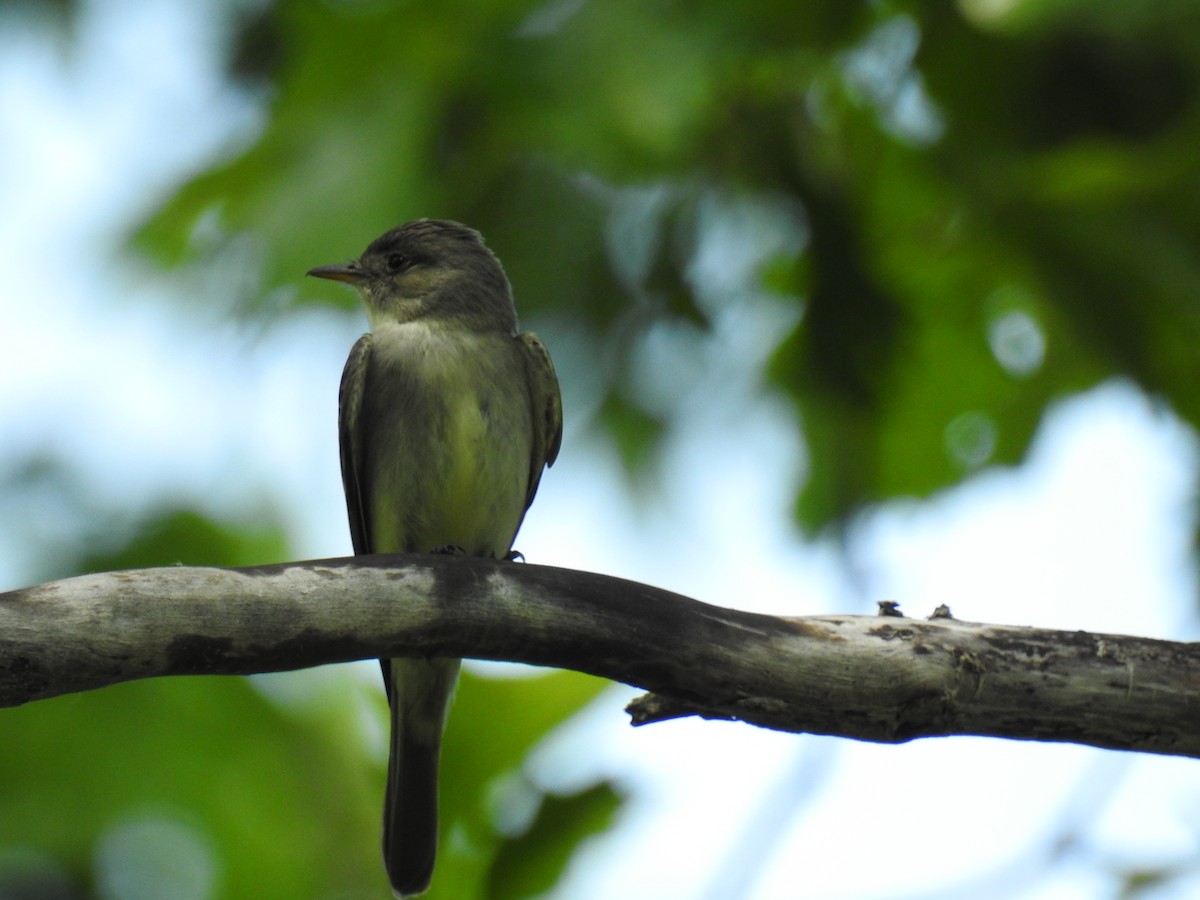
(887, 679)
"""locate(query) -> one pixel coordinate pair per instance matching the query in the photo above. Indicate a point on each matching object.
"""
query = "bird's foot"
(449, 550)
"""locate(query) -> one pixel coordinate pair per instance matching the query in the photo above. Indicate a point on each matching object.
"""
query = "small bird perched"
(447, 417)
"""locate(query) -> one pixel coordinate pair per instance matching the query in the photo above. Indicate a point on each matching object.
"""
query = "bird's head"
(427, 269)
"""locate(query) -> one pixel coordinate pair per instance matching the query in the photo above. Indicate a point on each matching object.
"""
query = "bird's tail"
(419, 693)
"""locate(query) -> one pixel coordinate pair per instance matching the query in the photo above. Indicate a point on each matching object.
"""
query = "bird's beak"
(350, 273)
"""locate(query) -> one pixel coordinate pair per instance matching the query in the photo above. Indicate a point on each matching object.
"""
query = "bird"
(448, 415)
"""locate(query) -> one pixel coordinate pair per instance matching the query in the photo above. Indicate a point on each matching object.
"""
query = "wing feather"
(351, 440)
(546, 405)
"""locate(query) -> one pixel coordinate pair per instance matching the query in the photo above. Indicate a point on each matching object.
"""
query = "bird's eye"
(397, 261)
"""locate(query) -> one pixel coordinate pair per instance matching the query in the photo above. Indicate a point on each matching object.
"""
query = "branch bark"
(885, 679)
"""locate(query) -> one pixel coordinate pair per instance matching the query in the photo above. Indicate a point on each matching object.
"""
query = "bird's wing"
(546, 405)
(351, 442)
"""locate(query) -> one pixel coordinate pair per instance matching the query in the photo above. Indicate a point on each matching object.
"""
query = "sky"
(155, 397)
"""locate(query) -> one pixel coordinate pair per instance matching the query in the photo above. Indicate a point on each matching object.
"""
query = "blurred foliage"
(171, 537)
(531, 866)
(1000, 203)
(275, 804)
(74, 532)
(58, 15)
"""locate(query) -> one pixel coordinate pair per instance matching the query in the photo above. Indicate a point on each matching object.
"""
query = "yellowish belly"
(454, 459)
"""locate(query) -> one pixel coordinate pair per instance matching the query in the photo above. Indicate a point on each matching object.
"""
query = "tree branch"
(887, 678)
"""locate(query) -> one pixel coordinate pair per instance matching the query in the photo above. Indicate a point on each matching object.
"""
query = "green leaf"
(272, 803)
(635, 431)
(185, 537)
(530, 865)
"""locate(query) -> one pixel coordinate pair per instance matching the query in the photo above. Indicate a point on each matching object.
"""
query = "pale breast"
(451, 439)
